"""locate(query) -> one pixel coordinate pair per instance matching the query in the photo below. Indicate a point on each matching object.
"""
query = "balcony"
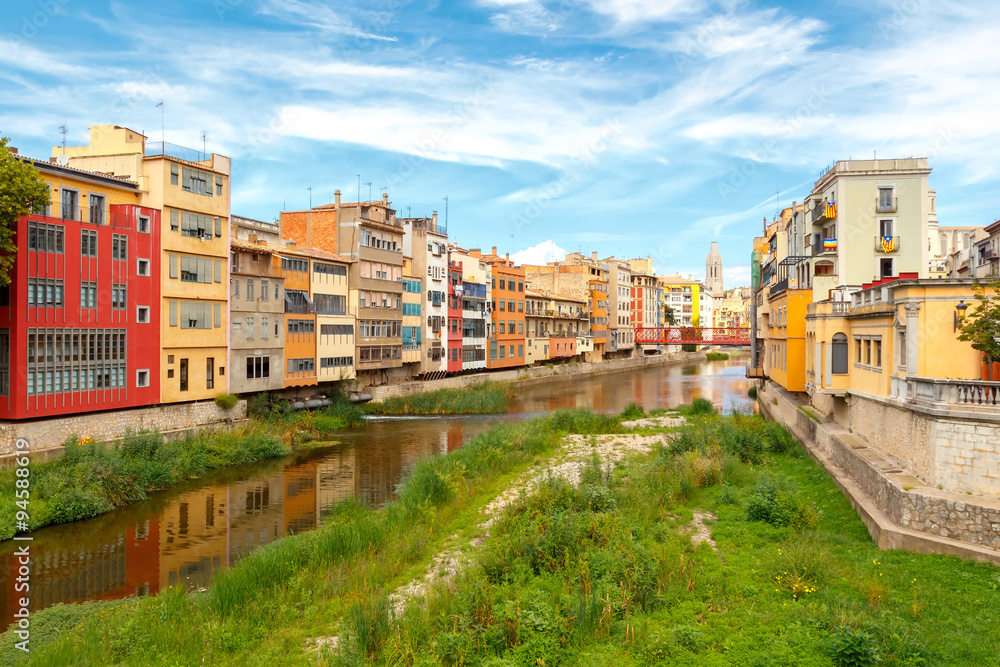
(978, 396)
(819, 212)
(883, 205)
(164, 148)
(820, 245)
(779, 286)
(840, 307)
(887, 243)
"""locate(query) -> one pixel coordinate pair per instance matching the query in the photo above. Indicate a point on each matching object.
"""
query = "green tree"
(981, 326)
(668, 316)
(22, 190)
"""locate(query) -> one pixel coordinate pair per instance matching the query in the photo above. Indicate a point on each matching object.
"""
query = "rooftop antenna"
(62, 131)
(204, 144)
(446, 211)
(359, 187)
(408, 212)
(163, 132)
(310, 197)
(369, 190)
(384, 189)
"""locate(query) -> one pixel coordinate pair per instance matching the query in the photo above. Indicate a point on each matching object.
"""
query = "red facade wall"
(454, 317)
(63, 326)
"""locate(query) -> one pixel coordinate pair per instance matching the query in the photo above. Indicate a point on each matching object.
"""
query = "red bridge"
(693, 335)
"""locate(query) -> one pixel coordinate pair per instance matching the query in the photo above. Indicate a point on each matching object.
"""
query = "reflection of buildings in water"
(256, 514)
(300, 498)
(454, 437)
(335, 480)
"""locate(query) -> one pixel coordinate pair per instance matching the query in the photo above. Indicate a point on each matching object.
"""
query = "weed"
(482, 398)
(227, 401)
(633, 411)
(717, 356)
(777, 502)
(853, 648)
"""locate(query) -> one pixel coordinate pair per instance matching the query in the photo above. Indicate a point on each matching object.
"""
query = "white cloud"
(544, 252)
(634, 11)
(736, 276)
(323, 18)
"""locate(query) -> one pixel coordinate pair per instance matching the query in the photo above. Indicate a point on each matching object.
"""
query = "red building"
(80, 320)
(455, 290)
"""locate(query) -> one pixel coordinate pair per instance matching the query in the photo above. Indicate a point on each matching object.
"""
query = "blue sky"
(629, 127)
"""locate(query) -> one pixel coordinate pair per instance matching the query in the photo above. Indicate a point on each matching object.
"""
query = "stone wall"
(915, 515)
(174, 420)
(967, 455)
(527, 376)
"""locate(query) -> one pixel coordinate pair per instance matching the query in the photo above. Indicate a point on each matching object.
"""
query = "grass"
(812, 415)
(481, 398)
(717, 356)
(603, 572)
(94, 478)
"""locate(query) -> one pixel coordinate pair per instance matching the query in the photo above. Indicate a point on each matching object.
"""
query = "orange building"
(507, 326)
(300, 319)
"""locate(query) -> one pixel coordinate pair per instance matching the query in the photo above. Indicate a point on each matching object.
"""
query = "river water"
(184, 534)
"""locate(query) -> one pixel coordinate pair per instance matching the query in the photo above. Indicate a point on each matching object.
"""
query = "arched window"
(823, 268)
(839, 357)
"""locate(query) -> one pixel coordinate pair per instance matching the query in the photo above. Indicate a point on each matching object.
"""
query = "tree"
(981, 326)
(668, 316)
(22, 191)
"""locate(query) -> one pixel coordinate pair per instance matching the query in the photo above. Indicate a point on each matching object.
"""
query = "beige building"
(551, 321)
(191, 188)
(425, 242)
(256, 316)
(621, 334)
(335, 320)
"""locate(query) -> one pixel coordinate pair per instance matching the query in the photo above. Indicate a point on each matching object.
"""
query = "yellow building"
(412, 319)
(687, 298)
(192, 190)
(786, 339)
(334, 319)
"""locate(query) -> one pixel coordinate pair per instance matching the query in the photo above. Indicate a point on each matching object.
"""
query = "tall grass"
(481, 398)
(94, 478)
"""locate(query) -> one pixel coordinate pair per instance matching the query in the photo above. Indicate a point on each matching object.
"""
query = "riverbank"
(569, 540)
(483, 398)
(93, 478)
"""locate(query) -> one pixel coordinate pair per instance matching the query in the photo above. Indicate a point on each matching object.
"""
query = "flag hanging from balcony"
(888, 243)
(830, 210)
(829, 244)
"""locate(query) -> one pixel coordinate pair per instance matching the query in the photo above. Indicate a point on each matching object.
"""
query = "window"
(503, 351)
(184, 375)
(88, 243)
(868, 352)
(210, 373)
(45, 237)
(143, 225)
(520, 350)
(250, 289)
(142, 378)
(193, 315)
(336, 362)
(332, 304)
(839, 355)
(301, 326)
(264, 328)
(119, 247)
(297, 265)
(198, 182)
(885, 267)
(142, 314)
(330, 269)
(97, 213)
(878, 352)
(118, 297)
(258, 367)
(520, 327)
(70, 200)
(174, 174)
(824, 268)
(510, 305)
(885, 227)
(277, 287)
(885, 198)
(218, 186)
(142, 267)
(264, 290)
(236, 287)
(196, 225)
(250, 327)
(301, 365)
(194, 269)
(88, 295)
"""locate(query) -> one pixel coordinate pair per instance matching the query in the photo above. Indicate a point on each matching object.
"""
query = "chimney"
(12, 150)
(594, 255)
(385, 199)
(336, 198)
(434, 218)
(494, 250)
(508, 257)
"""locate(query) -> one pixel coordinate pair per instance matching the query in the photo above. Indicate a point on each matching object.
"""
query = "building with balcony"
(507, 334)
(256, 314)
(578, 277)
(336, 323)
(425, 242)
(80, 319)
(413, 321)
(455, 315)
(553, 324)
(474, 305)
(621, 330)
(688, 299)
(369, 236)
(191, 189)
(988, 253)
(958, 248)
(292, 266)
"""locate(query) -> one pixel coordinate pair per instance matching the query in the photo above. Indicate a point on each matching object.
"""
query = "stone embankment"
(523, 377)
(900, 510)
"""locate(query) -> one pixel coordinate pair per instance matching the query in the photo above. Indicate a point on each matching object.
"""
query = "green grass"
(717, 356)
(94, 478)
(812, 415)
(599, 573)
(482, 398)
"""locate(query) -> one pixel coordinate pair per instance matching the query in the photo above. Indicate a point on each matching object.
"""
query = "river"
(184, 534)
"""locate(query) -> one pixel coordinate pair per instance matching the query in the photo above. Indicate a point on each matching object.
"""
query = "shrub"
(689, 347)
(227, 401)
(699, 407)
(852, 648)
(752, 393)
(780, 439)
(778, 503)
(633, 411)
(716, 356)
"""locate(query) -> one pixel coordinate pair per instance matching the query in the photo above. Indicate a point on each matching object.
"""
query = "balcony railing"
(779, 286)
(884, 206)
(887, 243)
(819, 245)
(173, 150)
(840, 307)
(819, 212)
(978, 395)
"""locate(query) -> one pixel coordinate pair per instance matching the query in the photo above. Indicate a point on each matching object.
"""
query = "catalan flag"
(888, 243)
(830, 210)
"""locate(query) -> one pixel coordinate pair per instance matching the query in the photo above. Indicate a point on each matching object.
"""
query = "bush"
(752, 393)
(700, 407)
(227, 401)
(633, 411)
(716, 356)
(689, 347)
(778, 503)
(853, 648)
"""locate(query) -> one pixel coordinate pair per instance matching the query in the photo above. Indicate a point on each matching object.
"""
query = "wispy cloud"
(322, 17)
(544, 252)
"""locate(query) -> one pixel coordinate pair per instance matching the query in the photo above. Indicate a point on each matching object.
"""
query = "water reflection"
(185, 534)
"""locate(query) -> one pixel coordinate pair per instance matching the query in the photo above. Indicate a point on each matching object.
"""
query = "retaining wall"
(173, 420)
